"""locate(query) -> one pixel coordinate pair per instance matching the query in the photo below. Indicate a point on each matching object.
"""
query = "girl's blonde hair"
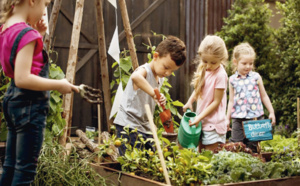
(212, 45)
(7, 7)
(242, 49)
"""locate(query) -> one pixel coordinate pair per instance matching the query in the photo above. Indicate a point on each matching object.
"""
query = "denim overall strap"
(16, 44)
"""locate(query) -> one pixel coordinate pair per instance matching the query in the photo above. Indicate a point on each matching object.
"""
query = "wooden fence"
(189, 20)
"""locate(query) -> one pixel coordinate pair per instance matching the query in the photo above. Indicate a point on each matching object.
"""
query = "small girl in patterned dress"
(246, 94)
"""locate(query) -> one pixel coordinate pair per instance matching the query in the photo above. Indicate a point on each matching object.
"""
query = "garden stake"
(165, 115)
(70, 74)
(160, 154)
(52, 23)
(128, 32)
(99, 127)
(298, 120)
(103, 61)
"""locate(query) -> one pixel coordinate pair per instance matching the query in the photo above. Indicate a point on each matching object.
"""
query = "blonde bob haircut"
(243, 49)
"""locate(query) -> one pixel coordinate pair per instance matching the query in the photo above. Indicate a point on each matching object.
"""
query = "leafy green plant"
(123, 72)
(184, 166)
(228, 167)
(55, 122)
(4, 83)
(279, 144)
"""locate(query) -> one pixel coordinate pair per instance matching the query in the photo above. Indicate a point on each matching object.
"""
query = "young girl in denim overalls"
(26, 102)
(246, 94)
(210, 84)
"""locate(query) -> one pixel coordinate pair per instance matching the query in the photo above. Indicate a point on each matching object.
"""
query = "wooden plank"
(70, 74)
(81, 45)
(128, 32)
(84, 33)
(182, 20)
(122, 178)
(85, 59)
(52, 23)
(142, 17)
(103, 61)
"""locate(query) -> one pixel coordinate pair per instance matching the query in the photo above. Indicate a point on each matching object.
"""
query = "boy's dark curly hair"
(173, 46)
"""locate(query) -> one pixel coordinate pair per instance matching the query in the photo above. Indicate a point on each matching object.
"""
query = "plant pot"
(169, 128)
(172, 137)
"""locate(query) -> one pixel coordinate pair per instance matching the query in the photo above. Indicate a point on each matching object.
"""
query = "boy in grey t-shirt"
(170, 54)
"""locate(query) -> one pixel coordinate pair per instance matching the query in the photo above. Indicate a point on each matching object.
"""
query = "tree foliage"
(286, 80)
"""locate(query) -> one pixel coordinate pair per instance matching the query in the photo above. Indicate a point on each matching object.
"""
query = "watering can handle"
(193, 127)
(188, 110)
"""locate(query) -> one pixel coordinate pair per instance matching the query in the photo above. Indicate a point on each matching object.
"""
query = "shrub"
(286, 81)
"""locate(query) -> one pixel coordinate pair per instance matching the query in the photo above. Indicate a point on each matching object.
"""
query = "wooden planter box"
(112, 172)
(292, 181)
(117, 177)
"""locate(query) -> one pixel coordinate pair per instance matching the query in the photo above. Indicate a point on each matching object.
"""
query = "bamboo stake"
(298, 120)
(128, 32)
(103, 60)
(99, 128)
(70, 74)
(99, 124)
(160, 154)
(52, 23)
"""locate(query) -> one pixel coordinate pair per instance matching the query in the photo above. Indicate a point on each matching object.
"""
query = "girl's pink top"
(216, 79)
(7, 38)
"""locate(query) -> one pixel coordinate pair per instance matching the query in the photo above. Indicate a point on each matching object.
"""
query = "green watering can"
(188, 136)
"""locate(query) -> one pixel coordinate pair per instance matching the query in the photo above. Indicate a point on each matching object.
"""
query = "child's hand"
(196, 121)
(161, 101)
(40, 26)
(272, 118)
(187, 106)
(191, 123)
(67, 87)
(227, 121)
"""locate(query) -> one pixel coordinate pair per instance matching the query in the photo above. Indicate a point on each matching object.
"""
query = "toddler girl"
(210, 84)
(246, 94)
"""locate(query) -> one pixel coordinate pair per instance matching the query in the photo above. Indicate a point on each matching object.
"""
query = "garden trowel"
(165, 115)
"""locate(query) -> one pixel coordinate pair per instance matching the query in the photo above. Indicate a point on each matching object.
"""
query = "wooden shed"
(189, 20)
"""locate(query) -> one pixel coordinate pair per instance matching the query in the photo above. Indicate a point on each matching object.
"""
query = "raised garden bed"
(108, 170)
(112, 172)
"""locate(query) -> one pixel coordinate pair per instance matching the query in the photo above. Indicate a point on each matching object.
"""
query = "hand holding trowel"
(165, 115)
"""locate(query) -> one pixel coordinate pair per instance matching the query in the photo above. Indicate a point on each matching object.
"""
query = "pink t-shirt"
(7, 39)
(216, 120)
